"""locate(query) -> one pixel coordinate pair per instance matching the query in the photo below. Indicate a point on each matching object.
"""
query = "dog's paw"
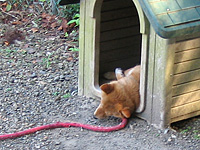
(119, 73)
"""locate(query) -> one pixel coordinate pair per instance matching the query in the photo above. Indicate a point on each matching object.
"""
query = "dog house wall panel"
(88, 56)
(186, 80)
(159, 81)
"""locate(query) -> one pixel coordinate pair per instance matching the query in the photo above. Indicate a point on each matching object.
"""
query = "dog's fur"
(120, 98)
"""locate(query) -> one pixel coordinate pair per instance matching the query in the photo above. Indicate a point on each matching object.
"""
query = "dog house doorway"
(122, 39)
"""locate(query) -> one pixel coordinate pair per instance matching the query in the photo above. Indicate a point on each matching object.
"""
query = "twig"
(8, 13)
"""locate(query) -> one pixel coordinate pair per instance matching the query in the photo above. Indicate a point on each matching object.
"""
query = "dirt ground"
(38, 85)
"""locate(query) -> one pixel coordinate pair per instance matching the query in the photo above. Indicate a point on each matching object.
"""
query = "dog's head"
(112, 102)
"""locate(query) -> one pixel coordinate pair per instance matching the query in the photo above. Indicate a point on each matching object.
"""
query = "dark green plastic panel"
(173, 18)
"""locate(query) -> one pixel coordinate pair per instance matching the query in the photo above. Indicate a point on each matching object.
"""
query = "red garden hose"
(65, 125)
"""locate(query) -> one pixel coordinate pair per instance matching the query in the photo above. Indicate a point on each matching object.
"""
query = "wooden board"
(117, 14)
(187, 44)
(185, 88)
(187, 55)
(186, 81)
(121, 53)
(185, 98)
(185, 109)
(186, 116)
(120, 43)
(120, 33)
(119, 23)
(186, 77)
(110, 5)
(186, 66)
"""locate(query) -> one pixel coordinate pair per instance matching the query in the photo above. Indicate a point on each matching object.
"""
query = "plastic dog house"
(162, 36)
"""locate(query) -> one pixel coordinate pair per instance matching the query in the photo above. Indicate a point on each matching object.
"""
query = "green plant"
(71, 10)
(18, 4)
(76, 20)
(66, 95)
(47, 61)
(8, 7)
(56, 93)
(74, 49)
(197, 136)
(66, 34)
(8, 89)
(184, 131)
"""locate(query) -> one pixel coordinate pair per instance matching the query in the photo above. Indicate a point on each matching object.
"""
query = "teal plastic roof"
(173, 18)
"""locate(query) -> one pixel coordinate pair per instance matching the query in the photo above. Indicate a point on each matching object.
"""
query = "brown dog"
(120, 98)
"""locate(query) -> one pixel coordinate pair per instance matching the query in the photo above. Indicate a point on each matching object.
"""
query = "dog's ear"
(126, 112)
(107, 88)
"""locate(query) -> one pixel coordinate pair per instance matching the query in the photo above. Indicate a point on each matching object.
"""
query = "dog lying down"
(120, 98)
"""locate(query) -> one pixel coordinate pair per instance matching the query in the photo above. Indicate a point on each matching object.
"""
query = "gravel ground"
(38, 85)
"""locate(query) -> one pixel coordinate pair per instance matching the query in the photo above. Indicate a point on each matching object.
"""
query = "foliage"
(39, 5)
(74, 49)
(71, 10)
(76, 20)
(37, 15)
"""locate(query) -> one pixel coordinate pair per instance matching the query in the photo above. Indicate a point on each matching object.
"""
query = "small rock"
(30, 50)
(33, 75)
(36, 94)
(57, 143)
(62, 77)
(173, 136)
(61, 65)
(67, 77)
(166, 131)
(58, 98)
(42, 72)
(57, 78)
(169, 140)
(37, 146)
(12, 80)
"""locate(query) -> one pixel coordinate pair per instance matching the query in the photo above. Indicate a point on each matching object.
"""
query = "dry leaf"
(34, 30)
(6, 43)
(64, 25)
(54, 24)
(69, 58)
(16, 22)
(60, 28)
(44, 15)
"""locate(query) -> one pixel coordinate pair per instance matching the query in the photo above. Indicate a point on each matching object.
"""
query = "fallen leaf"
(70, 58)
(72, 25)
(44, 25)
(25, 20)
(4, 4)
(7, 43)
(34, 30)
(54, 24)
(44, 15)
(16, 22)
(60, 28)
(64, 25)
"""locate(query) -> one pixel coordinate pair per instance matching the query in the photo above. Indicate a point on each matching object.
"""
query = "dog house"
(161, 35)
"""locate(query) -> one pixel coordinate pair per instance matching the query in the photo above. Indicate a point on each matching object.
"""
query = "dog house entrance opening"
(120, 38)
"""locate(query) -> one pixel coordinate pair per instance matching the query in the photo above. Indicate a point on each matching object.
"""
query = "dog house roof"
(173, 18)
